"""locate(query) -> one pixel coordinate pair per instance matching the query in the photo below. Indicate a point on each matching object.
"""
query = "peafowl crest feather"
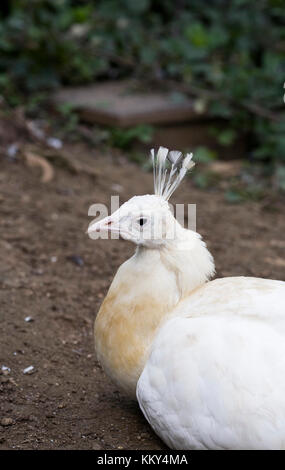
(169, 169)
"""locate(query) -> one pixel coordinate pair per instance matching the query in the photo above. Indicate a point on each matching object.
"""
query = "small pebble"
(29, 319)
(96, 446)
(53, 259)
(5, 369)
(38, 272)
(12, 151)
(6, 421)
(76, 259)
(29, 370)
(54, 142)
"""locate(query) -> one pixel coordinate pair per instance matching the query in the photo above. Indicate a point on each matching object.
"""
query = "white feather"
(179, 167)
(215, 378)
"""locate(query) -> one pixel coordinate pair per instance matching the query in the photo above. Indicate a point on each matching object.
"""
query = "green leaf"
(204, 155)
(197, 35)
(227, 137)
(233, 196)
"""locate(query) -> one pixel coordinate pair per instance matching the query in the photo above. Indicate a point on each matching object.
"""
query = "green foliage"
(123, 138)
(204, 179)
(69, 118)
(241, 194)
(225, 137)
(236, 49)
(204, 155)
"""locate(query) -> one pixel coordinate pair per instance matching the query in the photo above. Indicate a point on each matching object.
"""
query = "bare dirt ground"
(52, 272)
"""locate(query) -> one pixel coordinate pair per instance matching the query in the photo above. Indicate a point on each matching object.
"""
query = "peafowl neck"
(142, 295)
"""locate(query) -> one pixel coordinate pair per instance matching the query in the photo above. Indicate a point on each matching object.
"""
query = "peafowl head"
(148, 220)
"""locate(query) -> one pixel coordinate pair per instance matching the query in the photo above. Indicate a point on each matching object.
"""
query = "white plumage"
(206, 359)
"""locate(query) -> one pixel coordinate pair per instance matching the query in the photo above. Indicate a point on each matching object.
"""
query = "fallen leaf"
(34, 160)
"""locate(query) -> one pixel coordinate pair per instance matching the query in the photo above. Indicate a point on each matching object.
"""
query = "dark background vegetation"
(229, 54)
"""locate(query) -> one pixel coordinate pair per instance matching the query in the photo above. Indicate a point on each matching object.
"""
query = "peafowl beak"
(106, 224)
(110, 224)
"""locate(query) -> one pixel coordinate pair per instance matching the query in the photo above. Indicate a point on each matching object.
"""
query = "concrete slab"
(121, 104)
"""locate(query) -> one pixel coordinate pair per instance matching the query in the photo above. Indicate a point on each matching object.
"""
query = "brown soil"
(52, 272)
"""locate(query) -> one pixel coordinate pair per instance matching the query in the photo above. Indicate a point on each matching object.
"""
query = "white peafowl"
(205, 359)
